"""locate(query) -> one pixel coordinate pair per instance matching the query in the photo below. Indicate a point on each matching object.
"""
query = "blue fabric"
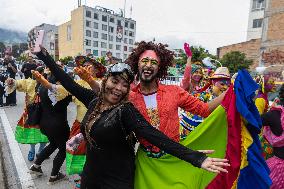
(245, 88)
(256, 174)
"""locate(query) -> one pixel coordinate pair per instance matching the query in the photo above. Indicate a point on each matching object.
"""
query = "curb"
(2, 170)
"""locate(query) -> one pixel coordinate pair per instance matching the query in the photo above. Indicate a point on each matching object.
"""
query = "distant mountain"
(11, 36)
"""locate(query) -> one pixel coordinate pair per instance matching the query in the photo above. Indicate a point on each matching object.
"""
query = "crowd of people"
(127, 105)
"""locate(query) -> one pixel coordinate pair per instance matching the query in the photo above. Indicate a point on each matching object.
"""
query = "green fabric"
(75, 163)
(29, 136)
(169, 172)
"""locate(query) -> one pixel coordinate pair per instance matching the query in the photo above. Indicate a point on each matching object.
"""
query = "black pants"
(55, 142)
(11, 98)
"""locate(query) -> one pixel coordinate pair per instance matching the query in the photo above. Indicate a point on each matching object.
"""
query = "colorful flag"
(232, 131)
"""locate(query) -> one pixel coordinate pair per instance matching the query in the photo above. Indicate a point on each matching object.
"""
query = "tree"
(236, 60)
(66, 59)
(198, 54)
(2, 48)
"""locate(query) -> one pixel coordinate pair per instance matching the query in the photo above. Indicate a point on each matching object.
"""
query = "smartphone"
(39, 40)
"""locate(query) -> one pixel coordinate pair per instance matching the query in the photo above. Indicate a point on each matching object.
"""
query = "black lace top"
(110, 162)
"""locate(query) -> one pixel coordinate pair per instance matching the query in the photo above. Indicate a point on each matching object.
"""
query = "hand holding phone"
(39, 41)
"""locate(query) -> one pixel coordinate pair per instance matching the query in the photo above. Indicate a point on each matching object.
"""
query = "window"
(118, 40)
(88, 14)
(69, 33)
(130, 49)
(96, 16)
(257, 23)
(126, 24)
(110, 38)
(88, 23)
(258, 5)
(111, 19)
(126, 32)
(117, 55)
(104, 18)
(131, 41)
(51, 46)
(124, 56)
(110, 29)
(125, 40)
(95, 44)
(88, 42)
(95, 52)
(95, 35)
(119, 22)
(104, 27)
(103, 53)
(110, 46)
(104, 36)
(125, 48)
(132, 25)
(96, 25)
(88, 51)
(103, 45)
(118, 47)
(131, 34)
(88, 33)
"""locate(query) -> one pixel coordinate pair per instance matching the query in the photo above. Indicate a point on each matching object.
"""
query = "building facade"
(97, 31)
(255, 22)
(50, 40)
(269, 48)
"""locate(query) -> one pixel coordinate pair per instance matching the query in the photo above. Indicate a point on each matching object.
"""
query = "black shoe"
(36, 171)
(13, 104)
(59, 177)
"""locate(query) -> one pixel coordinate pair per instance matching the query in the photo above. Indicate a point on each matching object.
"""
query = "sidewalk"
(2, 174)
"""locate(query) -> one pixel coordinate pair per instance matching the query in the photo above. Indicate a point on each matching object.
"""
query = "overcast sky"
(209, 23)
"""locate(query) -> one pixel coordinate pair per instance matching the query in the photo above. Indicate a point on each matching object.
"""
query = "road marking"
(19, 161)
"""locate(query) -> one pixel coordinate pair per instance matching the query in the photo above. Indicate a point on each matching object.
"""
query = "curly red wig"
(166, 57)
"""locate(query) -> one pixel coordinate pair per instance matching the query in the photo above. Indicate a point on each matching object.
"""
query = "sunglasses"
(148, 59)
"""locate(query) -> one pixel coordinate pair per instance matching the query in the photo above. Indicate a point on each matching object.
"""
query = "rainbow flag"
(232, 131)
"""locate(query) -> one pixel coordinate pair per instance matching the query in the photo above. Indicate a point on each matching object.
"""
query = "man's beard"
(150, 79)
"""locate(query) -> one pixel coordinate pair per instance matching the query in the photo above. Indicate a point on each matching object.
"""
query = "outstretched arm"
(134, 121)
(86, 74)
(185, 83)
(81, 93)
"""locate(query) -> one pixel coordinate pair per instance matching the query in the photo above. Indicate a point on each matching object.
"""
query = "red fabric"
(82, 146)
(233, 153)
(169, 99)
(22, 121)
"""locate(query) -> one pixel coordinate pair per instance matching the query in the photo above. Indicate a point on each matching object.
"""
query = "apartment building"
(97, 31)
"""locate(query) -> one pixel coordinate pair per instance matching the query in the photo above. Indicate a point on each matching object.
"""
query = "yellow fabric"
(246, 143)
(81, 109)
(61, 93)
(260, 104)
(27, 86)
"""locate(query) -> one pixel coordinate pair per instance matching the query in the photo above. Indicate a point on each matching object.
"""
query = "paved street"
(15, 155)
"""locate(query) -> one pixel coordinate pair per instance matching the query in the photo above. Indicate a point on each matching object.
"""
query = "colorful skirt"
(75, 160)
(267, 149)
(28, 134)
(276, 166)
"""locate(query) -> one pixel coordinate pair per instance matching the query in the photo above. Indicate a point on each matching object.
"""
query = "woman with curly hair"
(109, 126)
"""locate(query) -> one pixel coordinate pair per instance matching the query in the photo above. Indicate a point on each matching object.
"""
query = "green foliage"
(66, 59)
(102, 60)
(2, 47)
(198, 54)
(236, 60)
(23, 58)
